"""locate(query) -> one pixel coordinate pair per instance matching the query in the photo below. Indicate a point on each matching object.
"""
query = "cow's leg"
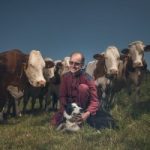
(9, 106)
(25, 102)
(1, 116)
(102, 96)
(111, 100)
(18, 107)
(49, 98)
(128, 87)
(41, 101)
(105, 99)
(137, 93)
(13, 105)
(3, 112)
(55, 102)
(16, 110)
(33, 103)
(46, 102)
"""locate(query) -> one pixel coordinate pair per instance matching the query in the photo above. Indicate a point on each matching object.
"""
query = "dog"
(71, 113)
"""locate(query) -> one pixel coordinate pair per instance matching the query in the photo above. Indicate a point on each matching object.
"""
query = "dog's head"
(71, 110)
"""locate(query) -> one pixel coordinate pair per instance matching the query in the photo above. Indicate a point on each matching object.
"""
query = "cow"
(104, 69)
(39, 92)
(52, 74)
(61, 67)
(18, 69)
(131, 68)
(134, 66)
(65, 65)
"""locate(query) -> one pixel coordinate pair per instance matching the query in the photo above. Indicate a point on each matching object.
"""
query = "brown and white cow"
(131, 68)
(134, 65)
(18, 69)
(39, 92)
(104, 69)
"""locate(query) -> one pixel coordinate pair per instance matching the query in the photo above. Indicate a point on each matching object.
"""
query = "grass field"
(33, 131)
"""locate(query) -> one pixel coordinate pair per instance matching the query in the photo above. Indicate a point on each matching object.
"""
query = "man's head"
(76, 61)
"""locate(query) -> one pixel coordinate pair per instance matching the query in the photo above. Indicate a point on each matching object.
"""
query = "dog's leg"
(60, 127)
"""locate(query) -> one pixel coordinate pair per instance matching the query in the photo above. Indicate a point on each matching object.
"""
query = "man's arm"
(94, 102)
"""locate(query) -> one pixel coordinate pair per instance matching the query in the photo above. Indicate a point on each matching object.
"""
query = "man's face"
(75, 63)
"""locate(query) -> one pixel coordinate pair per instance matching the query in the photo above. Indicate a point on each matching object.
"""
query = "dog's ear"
(68, 108)
(65, 106)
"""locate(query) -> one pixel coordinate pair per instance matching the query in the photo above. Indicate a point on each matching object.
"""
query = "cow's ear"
(144, 65)
(125, 51)
(24, 65)
(100, 57)
(59, 64)
(26, 58)
(147, 48)
(49, 64)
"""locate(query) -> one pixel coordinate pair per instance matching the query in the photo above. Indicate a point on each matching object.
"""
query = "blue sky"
(59, 27)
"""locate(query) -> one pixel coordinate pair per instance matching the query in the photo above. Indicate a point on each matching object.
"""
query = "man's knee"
(83, 88)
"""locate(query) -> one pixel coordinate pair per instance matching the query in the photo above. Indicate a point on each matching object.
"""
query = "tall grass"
(34, 132)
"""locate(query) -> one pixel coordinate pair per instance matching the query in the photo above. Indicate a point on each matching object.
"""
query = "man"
(77, 86)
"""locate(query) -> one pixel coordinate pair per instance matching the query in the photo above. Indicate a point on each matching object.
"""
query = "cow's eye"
(31, 66)
(140, 52)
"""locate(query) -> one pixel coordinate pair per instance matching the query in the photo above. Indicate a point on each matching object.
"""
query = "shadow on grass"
(38, 111)
(140, 108)
(102, 120)
(10, 121)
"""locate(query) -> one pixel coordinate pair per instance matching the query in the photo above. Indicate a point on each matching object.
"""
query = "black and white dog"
(71, 113)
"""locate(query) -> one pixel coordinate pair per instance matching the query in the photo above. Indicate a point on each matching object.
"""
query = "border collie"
(71, 112)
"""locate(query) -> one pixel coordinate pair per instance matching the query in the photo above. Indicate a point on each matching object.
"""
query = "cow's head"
(111, 59)
(49, 68)
(65, 65)
(57, 70)
(34, 69)
(58, 67)
(135, 51)
(62, 66)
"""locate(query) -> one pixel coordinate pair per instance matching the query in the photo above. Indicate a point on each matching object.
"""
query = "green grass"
(34, 132)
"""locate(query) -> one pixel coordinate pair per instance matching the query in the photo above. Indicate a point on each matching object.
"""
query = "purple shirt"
(69, 91)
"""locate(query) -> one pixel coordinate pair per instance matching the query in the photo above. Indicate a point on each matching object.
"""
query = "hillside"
(33, 131)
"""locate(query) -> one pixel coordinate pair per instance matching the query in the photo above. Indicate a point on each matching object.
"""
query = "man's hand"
(85, 115)
(80, 118)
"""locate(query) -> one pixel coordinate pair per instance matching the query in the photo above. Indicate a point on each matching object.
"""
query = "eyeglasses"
(75, 63)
